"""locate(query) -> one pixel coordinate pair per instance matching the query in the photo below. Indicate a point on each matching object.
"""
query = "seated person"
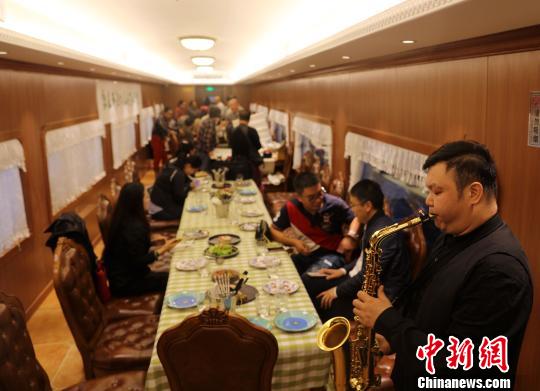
(127, 250)
(333, 295)
(318, 219)
(171, 188)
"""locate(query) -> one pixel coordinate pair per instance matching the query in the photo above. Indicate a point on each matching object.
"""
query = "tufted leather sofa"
(216, 348)
(119, 308)
(106, 346)
(19, 368)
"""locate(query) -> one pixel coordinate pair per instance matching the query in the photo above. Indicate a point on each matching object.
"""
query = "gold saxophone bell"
(333, 334)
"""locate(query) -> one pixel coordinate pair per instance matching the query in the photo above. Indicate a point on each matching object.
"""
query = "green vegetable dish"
(222, 250)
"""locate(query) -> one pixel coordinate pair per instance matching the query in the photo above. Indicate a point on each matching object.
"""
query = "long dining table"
(300, 365)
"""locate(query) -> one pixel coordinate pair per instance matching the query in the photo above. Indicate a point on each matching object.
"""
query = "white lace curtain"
(146, 123)
(280, 118)
(260, 123)
(158, 108)
(118, 101)
(319, 134)
(253, 107)
(400, 163)
(74, 161)
(262, 109)
(123, 141)
(13, 226)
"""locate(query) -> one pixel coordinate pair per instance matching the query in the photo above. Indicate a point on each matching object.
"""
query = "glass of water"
(262, 303)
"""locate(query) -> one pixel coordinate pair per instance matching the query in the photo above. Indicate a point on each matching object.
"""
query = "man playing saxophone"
(476, 283)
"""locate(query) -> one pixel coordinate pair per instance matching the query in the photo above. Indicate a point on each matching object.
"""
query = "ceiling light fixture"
(60, 63)
(92, 69)
(207, 68)
(312, 65)
(197, 43)
(2, 53)
(345, 58)
(292, 71)
(408, 41)
(203, 60)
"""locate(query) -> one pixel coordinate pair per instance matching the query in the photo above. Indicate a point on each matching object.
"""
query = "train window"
(14, 227)
(123, 141)
(74, 161)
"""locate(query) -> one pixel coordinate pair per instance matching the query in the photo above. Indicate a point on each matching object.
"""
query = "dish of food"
(247, 192)
(275, 286)
(247, 200)
(221, 186)
(251, 213)
(190, 264)
(224, 239)
(250, 226)
(221, 251)
(234, 275)
(247, 294)
(243, 183)
(196, 234)
(264, 262)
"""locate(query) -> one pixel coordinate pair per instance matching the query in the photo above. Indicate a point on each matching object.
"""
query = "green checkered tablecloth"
(300, 364)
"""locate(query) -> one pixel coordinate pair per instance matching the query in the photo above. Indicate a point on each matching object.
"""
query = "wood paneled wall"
(31, 101)
(483, 98)
(172, 94)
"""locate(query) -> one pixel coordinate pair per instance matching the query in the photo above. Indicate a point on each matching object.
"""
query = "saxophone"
(336, 331)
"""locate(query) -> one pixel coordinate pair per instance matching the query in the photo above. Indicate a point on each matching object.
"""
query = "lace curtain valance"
(400, 163)
(118, 101)
(12, 155)
(74, 161)
(146, 123)
(62, 138)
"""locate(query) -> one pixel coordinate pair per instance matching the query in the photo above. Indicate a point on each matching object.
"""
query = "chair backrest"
(19, 367)
(80, 304)
(104, 214)
(215, 348)
(416, 243)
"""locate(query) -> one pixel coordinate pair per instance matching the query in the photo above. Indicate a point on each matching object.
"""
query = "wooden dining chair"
(216, 350)
(20, 370)
(106, 346)
(117, 307)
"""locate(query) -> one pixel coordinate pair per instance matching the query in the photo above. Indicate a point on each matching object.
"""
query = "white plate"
(274, 286)
(194, 235)
(250, 227)
(190, 264)
(263, 262)
(252, 213)
(247, 200)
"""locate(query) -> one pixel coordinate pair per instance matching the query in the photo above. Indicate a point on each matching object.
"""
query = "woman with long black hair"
(127, 251)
